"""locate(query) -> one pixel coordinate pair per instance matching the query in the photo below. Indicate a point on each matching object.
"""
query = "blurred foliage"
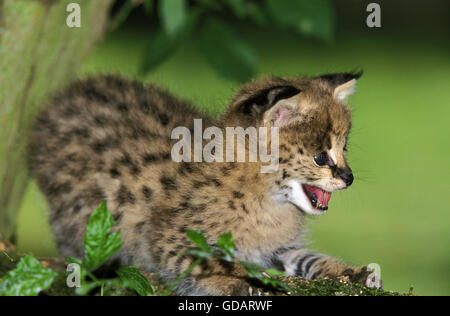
(217, 37)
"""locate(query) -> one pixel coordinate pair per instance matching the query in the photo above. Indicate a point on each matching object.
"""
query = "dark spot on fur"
(139, 226)
(244, 208)
(168, 183)
(238, 195)
(154, 158)
(93, 93)
(128, 161)
(95, 194)
(114, 173)
(76, 209)
(214, 181)
(57, 189)
(199, 207)
(183, 229)
(231, 205)
(171, 239)
(123, 108)
(117, 217)
(81, 132)
(100, 146)
(125, 196)
(172, 253)
(147, 193)
(198, 184)
(101, 121)
(164, 119)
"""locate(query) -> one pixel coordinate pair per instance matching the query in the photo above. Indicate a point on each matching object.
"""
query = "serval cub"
(109, 139)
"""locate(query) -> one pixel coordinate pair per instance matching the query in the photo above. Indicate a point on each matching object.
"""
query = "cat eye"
(322, 159)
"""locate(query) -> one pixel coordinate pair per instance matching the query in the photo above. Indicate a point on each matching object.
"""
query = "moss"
(328, 287)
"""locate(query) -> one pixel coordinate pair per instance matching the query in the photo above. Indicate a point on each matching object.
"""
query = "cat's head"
(314, 123)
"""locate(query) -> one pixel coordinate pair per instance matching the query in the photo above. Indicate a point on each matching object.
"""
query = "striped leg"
(311, 265)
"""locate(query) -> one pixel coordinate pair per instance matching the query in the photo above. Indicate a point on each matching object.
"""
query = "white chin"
(299, 198)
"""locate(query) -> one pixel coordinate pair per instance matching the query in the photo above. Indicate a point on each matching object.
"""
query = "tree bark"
(39, 54)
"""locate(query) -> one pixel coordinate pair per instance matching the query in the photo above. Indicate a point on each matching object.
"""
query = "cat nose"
(347, 176)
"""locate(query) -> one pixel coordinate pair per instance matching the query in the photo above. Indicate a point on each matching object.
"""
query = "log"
(39, 54)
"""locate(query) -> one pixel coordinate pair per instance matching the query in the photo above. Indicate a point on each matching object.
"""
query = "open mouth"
(318, 197)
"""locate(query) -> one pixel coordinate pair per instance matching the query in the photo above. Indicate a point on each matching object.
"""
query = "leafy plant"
(99, 243)
(133, 279)
(216, 25)
(224, 250)
(28, 279)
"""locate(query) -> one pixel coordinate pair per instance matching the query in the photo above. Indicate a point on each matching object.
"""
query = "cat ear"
(263, 101)
(282, 113)
(342, 84)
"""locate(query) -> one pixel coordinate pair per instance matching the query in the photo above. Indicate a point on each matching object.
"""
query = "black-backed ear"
(265, 99)
(342, 84)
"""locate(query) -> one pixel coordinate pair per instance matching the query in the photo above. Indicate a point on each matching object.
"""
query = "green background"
(396, 213)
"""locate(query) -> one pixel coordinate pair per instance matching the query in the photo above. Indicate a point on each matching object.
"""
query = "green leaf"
(226, 244)
(134, 280)
(99, 243)
(315, 18)
(198, 253)
(28, 279)
(274, 272)
(198, 239)
(256, 13)
(238, 7)
(159, 47)
(232, 57)
(256, 272)
(173, 14)
(74, 260)
(87, 287)
(148, 6)
(162, 45)
(122, 15)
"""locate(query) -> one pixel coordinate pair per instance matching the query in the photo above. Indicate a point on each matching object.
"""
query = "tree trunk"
(39, 54)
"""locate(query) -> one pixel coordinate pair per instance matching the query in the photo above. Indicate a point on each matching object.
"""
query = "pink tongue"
(322, 196)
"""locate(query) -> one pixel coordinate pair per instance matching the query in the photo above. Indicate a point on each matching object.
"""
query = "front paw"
(367, 276)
